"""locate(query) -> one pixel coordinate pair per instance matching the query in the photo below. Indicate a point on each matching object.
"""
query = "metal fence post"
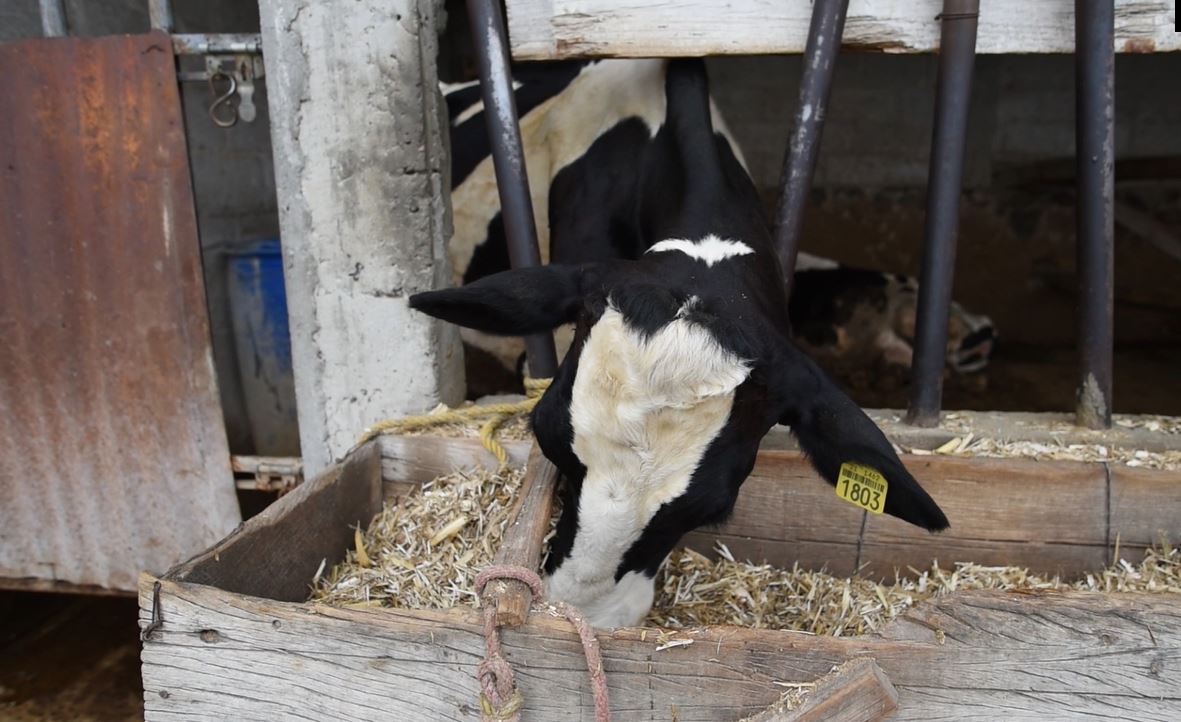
(160, 15)
(508, 159)
(1095, 162)
(799, 162)
(53, 18)
(957, 56)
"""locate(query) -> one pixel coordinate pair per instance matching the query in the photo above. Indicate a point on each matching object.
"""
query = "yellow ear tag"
(862, 486)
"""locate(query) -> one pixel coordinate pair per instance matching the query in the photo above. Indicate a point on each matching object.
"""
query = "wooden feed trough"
(229, 635)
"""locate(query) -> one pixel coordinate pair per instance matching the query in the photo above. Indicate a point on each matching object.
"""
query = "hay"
(693, 591)
(969, 445)
(426, 551)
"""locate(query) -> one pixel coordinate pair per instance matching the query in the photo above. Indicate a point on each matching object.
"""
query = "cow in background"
(578, 120)
(681, 358)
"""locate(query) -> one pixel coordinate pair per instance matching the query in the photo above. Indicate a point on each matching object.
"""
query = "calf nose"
(974, 350)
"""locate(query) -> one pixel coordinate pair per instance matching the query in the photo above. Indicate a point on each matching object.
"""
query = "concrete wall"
(358, 129)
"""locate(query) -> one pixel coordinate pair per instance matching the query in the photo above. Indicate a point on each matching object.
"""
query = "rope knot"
(500, 700)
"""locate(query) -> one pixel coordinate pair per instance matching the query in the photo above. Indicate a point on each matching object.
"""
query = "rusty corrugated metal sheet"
(113, 455)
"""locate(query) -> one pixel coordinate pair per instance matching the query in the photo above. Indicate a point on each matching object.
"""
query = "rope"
(496, 415)
(500, 700)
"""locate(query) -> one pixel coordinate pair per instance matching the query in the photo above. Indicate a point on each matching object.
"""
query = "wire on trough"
(496, 415)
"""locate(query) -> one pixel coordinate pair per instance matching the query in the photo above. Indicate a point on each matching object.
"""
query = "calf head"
(656, 413)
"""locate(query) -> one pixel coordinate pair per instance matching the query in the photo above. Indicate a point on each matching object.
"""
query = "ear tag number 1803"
(862, 486)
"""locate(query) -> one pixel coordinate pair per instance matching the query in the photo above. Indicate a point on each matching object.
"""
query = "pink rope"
(500, 700)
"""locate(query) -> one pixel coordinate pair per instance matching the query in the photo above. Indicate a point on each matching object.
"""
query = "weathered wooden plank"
(836, 557)
(856, 691)
(551, 29)
(523, 538)
(421, 458)
(1145, 503)
(276, 554)
(1049, 516)
(1002, 512)
(220, 655)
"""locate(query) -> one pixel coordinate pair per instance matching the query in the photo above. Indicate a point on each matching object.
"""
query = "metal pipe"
(799, 162)
(508, 159)
(957, 57)
(226, 43)
(1094, 31)
(160, 15)
(53, 18)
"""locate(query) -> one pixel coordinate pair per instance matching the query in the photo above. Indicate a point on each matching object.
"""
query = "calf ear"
(832, 430)
(510, 303)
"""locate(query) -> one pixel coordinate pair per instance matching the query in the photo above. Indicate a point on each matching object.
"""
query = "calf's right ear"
(833, 431)
(510, 303)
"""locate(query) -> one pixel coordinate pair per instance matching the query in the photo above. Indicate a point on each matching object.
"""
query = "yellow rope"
(496, 415)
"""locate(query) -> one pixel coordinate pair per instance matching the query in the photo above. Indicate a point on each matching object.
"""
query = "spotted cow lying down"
(581, 124)
(681, 357)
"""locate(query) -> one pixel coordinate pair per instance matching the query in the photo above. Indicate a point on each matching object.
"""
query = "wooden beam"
(976, 655)
(277, 553)
(418, 459)
(856, 691)
(553, 29)
(523, 538)
(1051, 516)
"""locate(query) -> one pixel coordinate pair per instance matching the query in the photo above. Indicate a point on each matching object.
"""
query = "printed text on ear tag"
(862, 486)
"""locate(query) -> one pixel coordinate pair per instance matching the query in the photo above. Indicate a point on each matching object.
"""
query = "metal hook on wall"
(228, 117)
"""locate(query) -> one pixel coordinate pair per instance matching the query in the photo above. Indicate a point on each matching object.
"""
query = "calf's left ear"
(834, 431)
(510, 303)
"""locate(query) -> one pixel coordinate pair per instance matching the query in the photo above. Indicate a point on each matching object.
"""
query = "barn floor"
(66, 657)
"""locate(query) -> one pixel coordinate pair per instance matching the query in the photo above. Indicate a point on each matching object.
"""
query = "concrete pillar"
(361, 174)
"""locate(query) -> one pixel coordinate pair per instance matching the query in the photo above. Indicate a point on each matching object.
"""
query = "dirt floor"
(66, 657)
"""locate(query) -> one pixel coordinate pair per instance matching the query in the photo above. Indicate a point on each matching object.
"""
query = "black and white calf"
(681, 361)
(580, 125)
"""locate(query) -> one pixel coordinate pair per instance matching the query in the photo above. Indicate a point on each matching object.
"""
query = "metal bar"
(229, 43)
(957, 57)
(53, 18)
(160, 15)
(1095, 162)
(508, 159)
(799, 162)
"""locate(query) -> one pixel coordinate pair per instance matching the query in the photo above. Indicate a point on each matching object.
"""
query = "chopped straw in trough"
(425, 552)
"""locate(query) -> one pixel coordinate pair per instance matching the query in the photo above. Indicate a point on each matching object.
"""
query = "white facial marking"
(643, 412)
(709, 250)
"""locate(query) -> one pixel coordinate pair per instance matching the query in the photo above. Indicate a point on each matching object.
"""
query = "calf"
(580, 122)
(680, 363)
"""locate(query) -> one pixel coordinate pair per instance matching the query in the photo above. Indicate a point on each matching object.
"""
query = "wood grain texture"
(418, 459)
(1050, 516)
(857, 691)
(522, 542)
(1007, 656)
(1056, 517)
(552, 29)
(277, 553)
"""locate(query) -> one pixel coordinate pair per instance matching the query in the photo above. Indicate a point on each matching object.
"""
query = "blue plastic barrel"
(258, 309)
